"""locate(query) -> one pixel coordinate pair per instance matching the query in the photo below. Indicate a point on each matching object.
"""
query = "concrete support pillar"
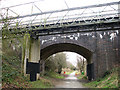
(34, 50)
(25, 52)
(31, 56)
(43, 67)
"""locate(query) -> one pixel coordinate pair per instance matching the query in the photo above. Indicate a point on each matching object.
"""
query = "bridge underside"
(50, 50)
(78, 26)
(55, 48)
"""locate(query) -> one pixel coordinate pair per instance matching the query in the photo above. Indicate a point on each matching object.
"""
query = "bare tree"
(61, 61)
(81, 63)
(56, 62)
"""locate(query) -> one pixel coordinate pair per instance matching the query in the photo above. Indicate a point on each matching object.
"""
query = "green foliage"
(85, 77)
(10, 61)
(54, 75)
(68, 73)
(9, 73)
(81, 64)
(11, 65)
(70, 65)
(110, 80)
(56, 62)
(8, 30)
(61, 61)
(41, 84)
(82, 77)
(51, 64)
(106, 73)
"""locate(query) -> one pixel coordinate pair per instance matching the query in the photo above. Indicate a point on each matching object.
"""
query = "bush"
(106, 73)
(85, 77)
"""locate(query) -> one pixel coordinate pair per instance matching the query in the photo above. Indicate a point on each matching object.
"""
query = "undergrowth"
(109, 80)
(12, 75)
(11, 67)
(54, 75)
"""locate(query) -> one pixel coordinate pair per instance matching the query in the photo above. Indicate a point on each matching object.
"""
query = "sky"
(72, 57)
(48, 5)
(55, 3)
(45, 5)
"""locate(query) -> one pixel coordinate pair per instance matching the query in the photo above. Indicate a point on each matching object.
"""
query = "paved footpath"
(0, 86)
(70, 82)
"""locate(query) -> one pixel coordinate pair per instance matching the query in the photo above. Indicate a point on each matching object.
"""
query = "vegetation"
(68, 73)
(11, 65)
(56, 62)
(81, 64)
(50, 64)
(12, 75)
(47, 81)
(42, 83)
(54, 75)
(109, 80)
(82, 77)
(70, 65)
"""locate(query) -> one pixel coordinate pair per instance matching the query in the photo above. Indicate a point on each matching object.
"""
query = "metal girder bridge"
(78, 19)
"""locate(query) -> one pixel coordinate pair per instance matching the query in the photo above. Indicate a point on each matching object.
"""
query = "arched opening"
(55, 48)
(61, 47)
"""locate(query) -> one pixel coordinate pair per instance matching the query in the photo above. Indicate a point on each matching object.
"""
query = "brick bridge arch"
(49, 49)
(101, 49)
(59, 45)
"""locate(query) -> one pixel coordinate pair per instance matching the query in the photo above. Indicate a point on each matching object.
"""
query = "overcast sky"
(48, 5)
(55, 3)
(72, 57)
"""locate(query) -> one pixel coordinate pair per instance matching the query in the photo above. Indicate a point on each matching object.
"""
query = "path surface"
(0, 85)
(70, 82)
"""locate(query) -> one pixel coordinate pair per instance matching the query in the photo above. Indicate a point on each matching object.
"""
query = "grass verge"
(110, 80)
(54, 75)
(42, 83)
(12, 76)
(47, 81)
(68, 73)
